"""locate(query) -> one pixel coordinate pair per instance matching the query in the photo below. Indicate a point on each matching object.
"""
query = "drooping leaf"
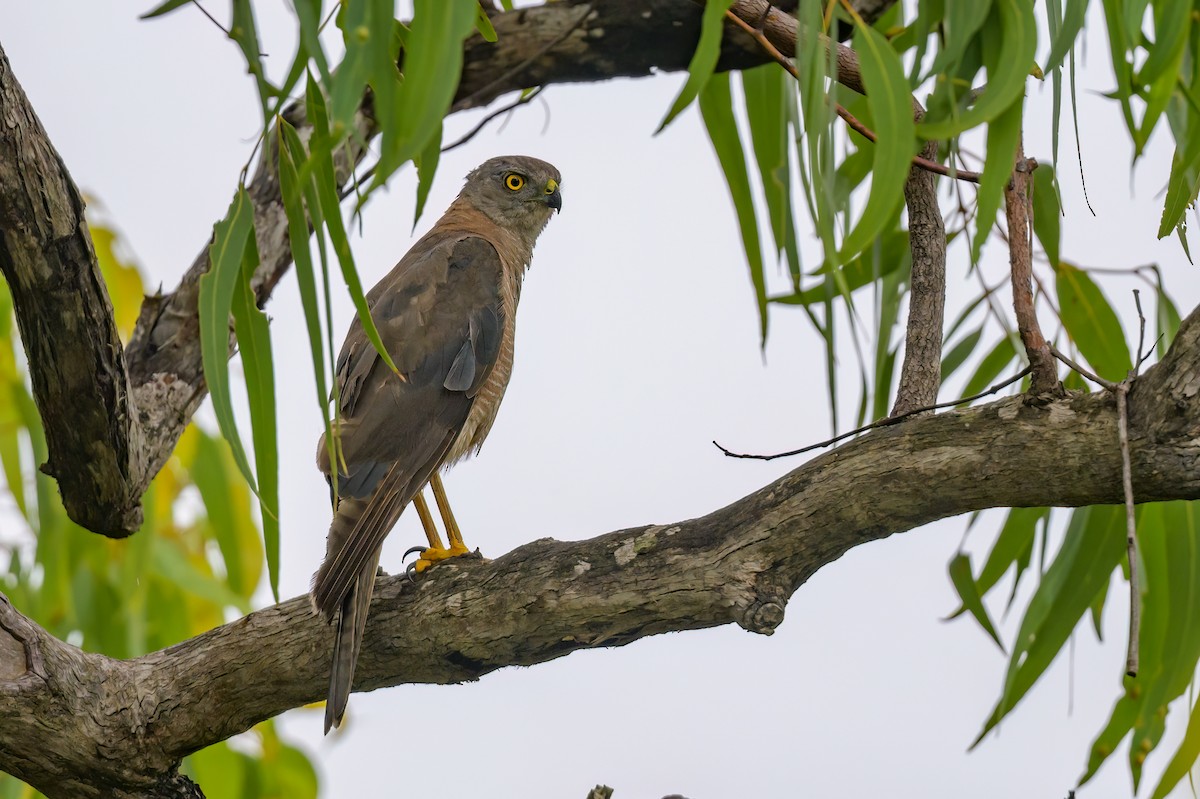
(254, 343)
(1094, 544)
(426, 164)
(968, 592)
(716, 108)
(1004, 133)
(1010, 38)
(1064, 38)
(1091, 323)
(1047, 222)
(960, 352)
(1000, 356)
(767, 91)
(321, 157)
(704, 60)
(889, 99)
(231, 240)
(164, 8)
(433, 57)
(244, 31)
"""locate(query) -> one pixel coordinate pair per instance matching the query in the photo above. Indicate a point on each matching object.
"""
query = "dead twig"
(885, 422)
(1019, 212)
(1121, 391)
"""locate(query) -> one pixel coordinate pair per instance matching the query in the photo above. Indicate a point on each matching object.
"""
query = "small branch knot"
(762, 617)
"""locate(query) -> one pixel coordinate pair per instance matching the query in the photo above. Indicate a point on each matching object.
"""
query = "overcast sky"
(637, 346)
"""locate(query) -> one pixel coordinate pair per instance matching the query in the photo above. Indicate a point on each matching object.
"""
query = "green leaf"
(1015, 539)
(433, 56)
(1064, 38)
(960, 352)
(704, 60)
(231, 241)
(1010, 42)
(1091, 323)
(254, 342)
(331, 212)
(1003, 135)
(164, 8)
(962, 21)
(1047, 216)
(483, 24)
(968, 592)
(1183, 180)
(169, 562)
(1094, 544)
(366, 27)
(862, 270)
(1167, 319)
(890, 101)
(293, 204)
(244, 31)
(308, 18)
(767, 93)
(236, 536)
(426, 164)
(991, 366)
(716, 108)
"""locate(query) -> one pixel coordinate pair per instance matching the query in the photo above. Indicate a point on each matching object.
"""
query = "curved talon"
(410, 570)
(411, 550)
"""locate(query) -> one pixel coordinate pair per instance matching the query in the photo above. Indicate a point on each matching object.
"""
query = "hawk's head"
(517, 191)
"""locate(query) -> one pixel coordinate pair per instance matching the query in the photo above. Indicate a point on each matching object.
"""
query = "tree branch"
(921, 372)
(70, 716)
(66, 322)
(1019, 209)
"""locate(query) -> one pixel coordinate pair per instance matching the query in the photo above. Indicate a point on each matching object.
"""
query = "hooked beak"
(553, 197)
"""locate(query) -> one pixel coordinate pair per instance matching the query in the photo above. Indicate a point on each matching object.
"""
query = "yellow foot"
(432, 555)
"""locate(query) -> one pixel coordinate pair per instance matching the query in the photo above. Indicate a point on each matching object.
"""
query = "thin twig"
(1135, 597)
(520, 101)
(1095, 378)
(1121, 390)
(211, 18)
(352, 186)
(850, 119)
(586, 11)
(885, 422)
(1137, 300)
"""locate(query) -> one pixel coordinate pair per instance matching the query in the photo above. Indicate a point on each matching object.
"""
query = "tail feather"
(347, 644)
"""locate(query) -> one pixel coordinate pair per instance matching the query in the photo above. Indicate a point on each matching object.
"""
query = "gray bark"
(83, 725)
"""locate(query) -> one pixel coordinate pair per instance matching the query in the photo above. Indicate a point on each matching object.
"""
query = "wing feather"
(440, 316)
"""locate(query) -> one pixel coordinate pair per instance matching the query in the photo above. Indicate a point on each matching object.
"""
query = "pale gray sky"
(637, 346)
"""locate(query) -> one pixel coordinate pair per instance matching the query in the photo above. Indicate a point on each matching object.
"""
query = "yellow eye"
(514, 182)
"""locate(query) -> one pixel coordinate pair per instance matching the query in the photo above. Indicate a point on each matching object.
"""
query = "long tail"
(348, 642)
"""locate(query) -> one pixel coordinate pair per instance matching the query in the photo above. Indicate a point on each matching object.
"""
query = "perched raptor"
(446, 315)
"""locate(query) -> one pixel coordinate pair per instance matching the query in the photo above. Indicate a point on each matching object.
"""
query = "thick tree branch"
(70, 716)
(66, 322)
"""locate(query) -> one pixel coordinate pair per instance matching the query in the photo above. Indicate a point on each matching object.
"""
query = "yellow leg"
(453, 534)
(431, 533)
(436, 551)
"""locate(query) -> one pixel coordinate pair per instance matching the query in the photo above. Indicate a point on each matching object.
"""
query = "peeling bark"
(83, 725)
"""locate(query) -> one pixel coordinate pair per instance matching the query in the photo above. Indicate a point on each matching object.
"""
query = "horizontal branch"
(131, 721)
